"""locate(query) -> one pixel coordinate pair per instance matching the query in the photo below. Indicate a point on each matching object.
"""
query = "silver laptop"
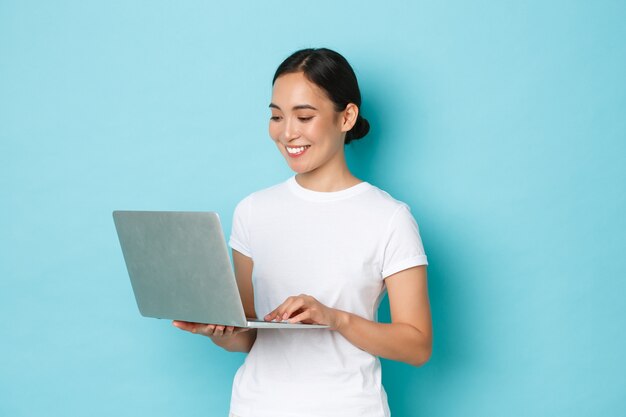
(179, 268)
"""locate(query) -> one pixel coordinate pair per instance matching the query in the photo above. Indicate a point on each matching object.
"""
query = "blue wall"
(501, 123)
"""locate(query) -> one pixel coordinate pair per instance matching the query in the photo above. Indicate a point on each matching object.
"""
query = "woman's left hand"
(305, 309)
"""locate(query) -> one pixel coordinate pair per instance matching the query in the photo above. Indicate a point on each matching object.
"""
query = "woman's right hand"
(210, 330)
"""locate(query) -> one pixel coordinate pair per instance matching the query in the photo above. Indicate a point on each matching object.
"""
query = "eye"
(305, 119)
(275, 118)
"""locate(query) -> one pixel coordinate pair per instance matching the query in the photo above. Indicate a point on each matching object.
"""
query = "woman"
(322, 247)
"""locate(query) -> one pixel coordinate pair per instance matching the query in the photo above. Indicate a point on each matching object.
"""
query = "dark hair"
(332, 73)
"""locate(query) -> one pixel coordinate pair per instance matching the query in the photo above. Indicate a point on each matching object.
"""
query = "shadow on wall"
(417, 389)
(388, 106)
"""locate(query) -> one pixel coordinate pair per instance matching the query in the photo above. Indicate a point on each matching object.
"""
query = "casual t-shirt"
(337, 247)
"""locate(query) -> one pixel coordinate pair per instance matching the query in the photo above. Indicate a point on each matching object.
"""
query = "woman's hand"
(306, 309)
(210, 330)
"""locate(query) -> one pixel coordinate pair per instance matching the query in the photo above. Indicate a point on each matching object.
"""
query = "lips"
(296, 151)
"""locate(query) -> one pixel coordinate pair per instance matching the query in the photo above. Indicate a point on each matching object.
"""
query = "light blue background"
(502, 124)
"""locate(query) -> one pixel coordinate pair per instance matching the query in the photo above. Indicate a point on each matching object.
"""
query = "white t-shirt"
(337, 247)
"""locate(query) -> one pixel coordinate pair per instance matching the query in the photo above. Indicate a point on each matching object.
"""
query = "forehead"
(295, 89)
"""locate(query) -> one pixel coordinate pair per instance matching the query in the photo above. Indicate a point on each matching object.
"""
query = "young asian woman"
(322, 247)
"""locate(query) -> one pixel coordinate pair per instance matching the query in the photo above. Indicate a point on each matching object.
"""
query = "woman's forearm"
(240, 342)
(397, 341)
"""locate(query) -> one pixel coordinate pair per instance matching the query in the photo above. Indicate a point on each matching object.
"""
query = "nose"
(291, 130)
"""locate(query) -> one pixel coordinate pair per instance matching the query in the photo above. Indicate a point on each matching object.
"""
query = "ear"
(349, 116)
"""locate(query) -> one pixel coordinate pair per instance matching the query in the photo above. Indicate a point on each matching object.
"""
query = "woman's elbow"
(421, 354)
(417, 350)
(421, 357)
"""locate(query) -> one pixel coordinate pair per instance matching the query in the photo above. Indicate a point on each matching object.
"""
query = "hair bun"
(360, 129)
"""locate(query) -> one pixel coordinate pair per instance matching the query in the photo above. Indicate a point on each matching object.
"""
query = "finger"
(297, 304)
(276, 313)
(285, 309)
(270, 316)
(207, 329)
(204, 329)
(279, 312)
(180, 324)
(184, 325)
(305, 315)
(229, 331)
(219, 331)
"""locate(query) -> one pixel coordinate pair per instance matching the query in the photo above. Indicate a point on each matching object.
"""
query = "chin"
(299, 170)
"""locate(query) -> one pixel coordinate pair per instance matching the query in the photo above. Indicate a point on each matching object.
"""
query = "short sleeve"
(403, 245)
(240, 233)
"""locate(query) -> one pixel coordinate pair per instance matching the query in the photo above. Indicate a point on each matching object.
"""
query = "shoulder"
(383, 203)
(247, 213)
(268, 194)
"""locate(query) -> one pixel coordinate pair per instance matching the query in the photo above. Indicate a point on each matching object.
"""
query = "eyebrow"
(297, 107)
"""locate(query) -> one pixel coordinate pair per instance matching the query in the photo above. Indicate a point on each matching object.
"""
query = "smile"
(297, 151)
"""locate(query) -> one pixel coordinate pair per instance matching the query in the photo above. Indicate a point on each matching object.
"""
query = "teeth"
(296, 150)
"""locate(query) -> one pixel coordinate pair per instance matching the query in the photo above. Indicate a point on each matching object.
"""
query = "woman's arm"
(233, 339)
(407, 339)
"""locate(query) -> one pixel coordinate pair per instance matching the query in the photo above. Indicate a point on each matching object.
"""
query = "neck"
(328, 178)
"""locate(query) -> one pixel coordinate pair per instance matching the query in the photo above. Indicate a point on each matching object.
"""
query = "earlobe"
(350, 115)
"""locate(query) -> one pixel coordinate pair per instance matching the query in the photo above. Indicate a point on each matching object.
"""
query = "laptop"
(179, 269)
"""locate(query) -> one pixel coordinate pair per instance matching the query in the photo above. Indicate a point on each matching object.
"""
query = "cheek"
(274, 132)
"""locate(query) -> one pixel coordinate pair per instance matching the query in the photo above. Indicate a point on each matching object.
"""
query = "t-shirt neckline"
(311, 195)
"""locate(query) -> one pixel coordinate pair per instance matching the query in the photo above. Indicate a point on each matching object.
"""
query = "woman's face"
(307, 130)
